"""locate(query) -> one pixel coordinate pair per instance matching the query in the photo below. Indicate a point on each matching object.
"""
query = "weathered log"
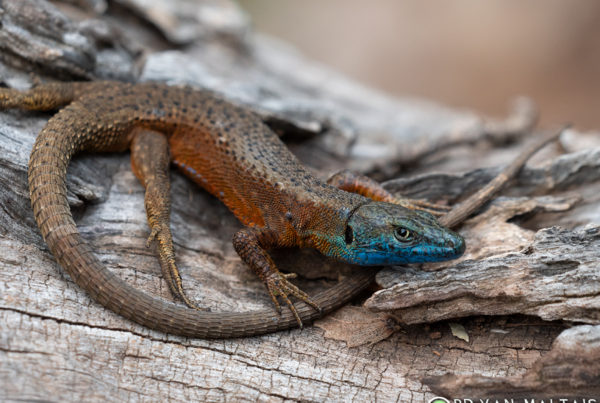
(570, 370)
(55, 343)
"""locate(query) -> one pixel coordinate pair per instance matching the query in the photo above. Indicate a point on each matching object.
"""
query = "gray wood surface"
(533, 252)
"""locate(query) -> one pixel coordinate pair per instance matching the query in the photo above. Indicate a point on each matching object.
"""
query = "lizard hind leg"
(363, 185)
(150, 163)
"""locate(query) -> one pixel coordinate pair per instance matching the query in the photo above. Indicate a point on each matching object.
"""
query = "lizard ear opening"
(349, 235)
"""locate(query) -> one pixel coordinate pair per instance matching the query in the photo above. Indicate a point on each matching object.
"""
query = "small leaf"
(459, 331)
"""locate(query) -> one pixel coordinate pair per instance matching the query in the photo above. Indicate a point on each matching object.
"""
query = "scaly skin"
(233, 155)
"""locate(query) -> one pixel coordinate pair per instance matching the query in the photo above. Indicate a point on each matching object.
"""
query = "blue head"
(380, 233)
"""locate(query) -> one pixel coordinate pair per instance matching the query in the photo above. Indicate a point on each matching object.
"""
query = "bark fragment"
(55, 342)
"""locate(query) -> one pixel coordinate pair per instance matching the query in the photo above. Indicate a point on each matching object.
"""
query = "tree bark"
(57, 344)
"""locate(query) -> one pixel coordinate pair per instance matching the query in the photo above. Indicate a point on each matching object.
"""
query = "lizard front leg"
(150, 163)
(251, 245)
(355, 183)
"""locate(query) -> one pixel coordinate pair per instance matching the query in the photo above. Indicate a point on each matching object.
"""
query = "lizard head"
(380, 233)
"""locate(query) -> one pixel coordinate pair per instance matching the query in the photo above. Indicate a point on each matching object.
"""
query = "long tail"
(64, 136)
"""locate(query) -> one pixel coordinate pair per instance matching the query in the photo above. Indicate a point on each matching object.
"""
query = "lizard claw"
(162, 234)
(152, 236)
(278, 286)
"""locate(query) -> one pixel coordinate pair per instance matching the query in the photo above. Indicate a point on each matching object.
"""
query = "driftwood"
(534, 251)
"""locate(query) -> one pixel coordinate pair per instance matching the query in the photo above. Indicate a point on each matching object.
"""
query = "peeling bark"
(570, 370)
(37, 37)
(555, 277)
(56, 343)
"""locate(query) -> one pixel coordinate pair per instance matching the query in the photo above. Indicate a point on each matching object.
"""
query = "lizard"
(229, 151)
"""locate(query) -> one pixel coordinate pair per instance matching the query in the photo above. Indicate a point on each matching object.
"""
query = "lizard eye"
(349, 235)
(402, 234)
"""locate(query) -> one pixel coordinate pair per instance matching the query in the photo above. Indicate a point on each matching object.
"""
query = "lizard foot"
(278, 285)
(162, 235)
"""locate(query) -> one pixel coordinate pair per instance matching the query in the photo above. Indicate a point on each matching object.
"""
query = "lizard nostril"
(450, 244)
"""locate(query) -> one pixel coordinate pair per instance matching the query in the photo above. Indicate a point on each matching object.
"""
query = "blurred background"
(463, 53)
